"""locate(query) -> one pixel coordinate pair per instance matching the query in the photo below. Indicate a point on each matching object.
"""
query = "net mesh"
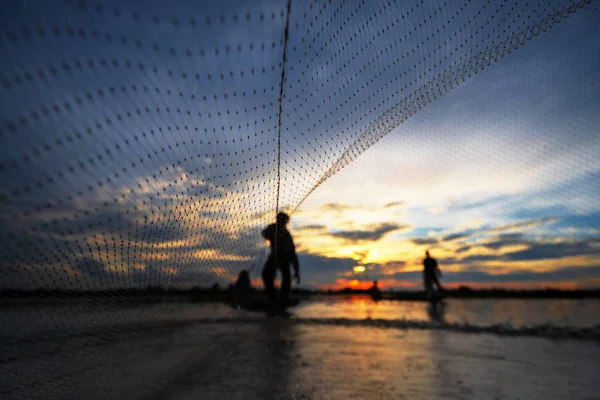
(147, 144)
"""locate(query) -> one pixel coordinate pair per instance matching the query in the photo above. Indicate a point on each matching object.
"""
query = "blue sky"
(514, 146)
(140, 141)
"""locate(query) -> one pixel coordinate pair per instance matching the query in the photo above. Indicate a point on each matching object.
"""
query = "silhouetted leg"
(438, 294)
(429, 289)
(268, 277)
(286, 284)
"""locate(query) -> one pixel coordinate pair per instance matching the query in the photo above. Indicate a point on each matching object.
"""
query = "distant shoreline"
(153, 294)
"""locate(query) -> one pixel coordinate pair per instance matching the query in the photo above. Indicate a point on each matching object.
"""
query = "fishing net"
(147, 144)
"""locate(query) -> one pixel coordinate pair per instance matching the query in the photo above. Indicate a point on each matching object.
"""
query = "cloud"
(388, 268)
(311, 228)
(517, 226)
(393, 264)
(505, 240)
(374, 234)
(395, 204)
(137, 241)
(316, 268)
(462, 249)
(482, 276)
(424, 241)
(335, 207)
(457, 236)
(544, 251)
(361, 255)
(92, 268)
(480, 258)
(557, 275)
(523, 224)
(534, 250)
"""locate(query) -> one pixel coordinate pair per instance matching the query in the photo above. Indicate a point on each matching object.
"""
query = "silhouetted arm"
(294, 260)
(437, 275)
(267, 233)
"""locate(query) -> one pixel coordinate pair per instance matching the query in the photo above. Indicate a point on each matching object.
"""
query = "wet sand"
(278, 359)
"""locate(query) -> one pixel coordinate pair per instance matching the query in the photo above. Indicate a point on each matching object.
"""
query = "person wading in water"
(283, 253)
(431, 271)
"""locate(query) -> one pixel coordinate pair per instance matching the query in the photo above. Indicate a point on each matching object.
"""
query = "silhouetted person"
(430, 276)
(283, 253)
(242, 288)
(375, 292)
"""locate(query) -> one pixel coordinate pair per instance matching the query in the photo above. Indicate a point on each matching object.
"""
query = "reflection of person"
(436, 312)
(431, 272)
(283, 253)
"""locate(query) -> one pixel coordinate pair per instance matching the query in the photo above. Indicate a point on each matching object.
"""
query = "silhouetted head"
(374, 283)
(282, 219)
(243, 275)
(427, 254)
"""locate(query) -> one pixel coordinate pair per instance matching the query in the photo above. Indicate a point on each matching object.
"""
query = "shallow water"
(279, 359)
(23, 320)
(330, 348)
(577, 313)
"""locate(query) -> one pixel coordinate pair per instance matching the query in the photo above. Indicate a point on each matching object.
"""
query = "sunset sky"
(500, 179)
(139, 144)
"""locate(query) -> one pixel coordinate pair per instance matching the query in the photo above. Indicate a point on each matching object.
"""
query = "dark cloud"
(457, 236)
(561, 274)
(335, 207)
(523, 224)
(374, 234)
(424, 241)
(311, 228)
(92, 268)
(498, 242)
(507, 239)
(394, 204)
(462, 249)
(479, 258)
(407, 275)
(189, 274)
(479, 276)
(536, 250)
(323, 269)
(123, 240)
(30, 248)
(542, 251)
(103, 220)
(390, 264)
